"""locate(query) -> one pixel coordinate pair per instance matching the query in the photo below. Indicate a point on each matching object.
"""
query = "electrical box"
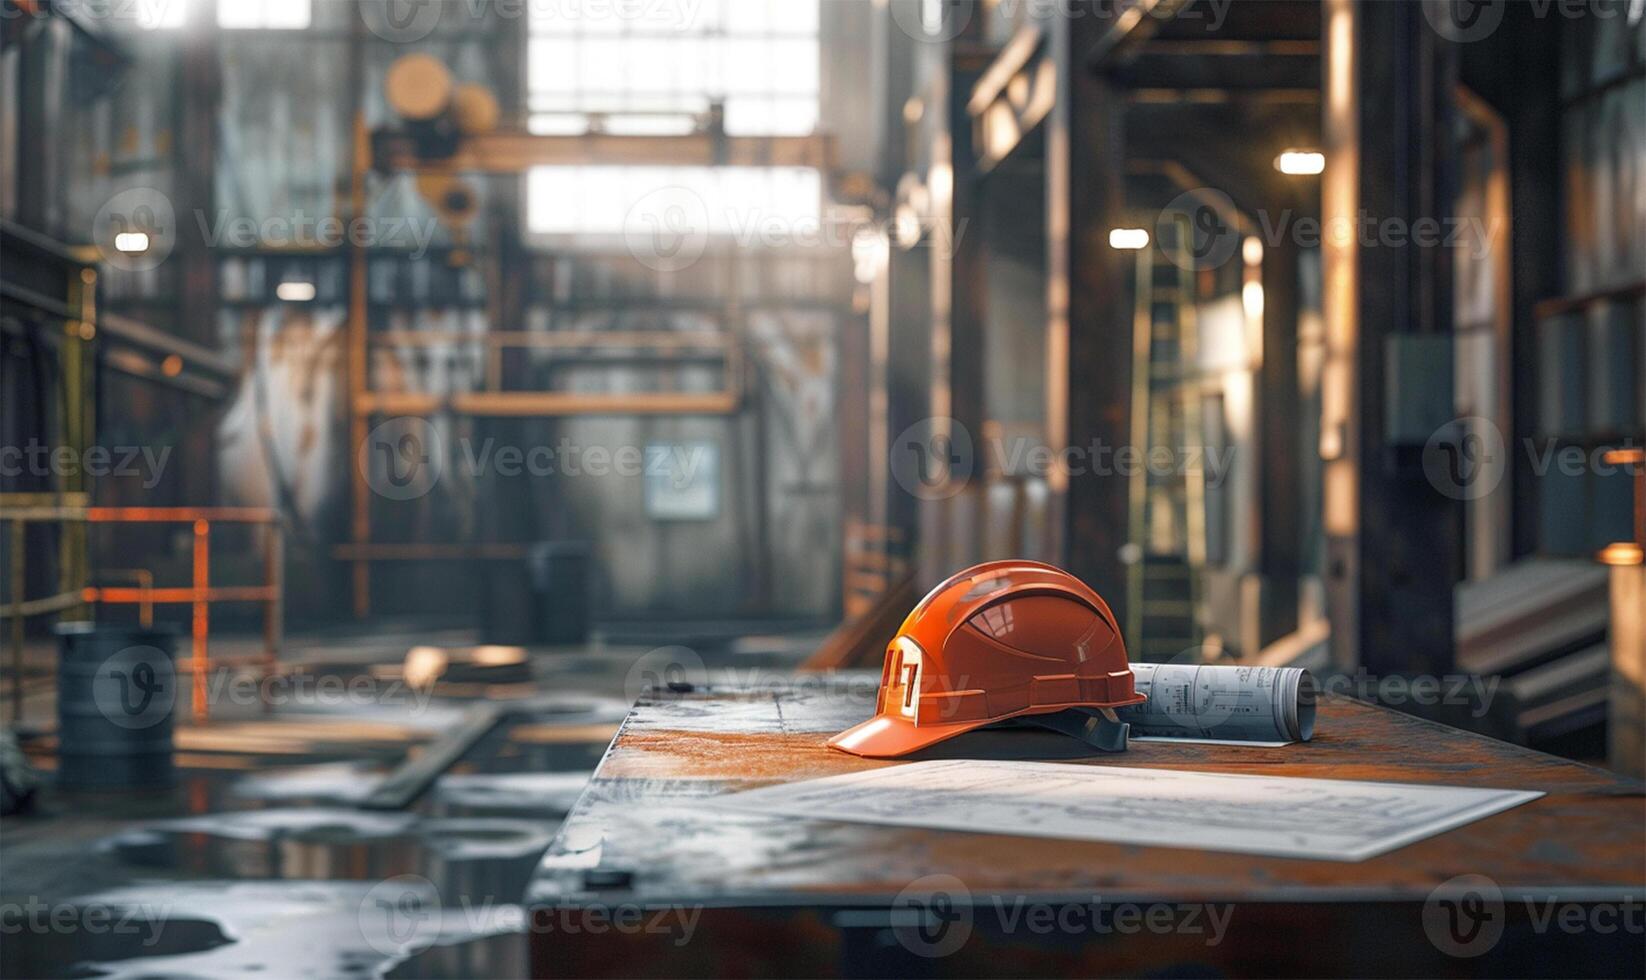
(1418, 387)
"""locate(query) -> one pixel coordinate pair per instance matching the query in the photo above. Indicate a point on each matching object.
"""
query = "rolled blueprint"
(1218, 703)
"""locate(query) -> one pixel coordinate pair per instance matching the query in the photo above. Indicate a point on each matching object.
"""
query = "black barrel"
(117, 695)
(506, 604)
(560, 580)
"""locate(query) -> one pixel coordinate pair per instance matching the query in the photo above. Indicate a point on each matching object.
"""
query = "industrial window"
(290, 15)
(729, 201)
(682, 481)
(661, 70)
(158, 15)
(287, 15)
(661, 67)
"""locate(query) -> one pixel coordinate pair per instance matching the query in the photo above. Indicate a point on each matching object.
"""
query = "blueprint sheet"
(1325, 819)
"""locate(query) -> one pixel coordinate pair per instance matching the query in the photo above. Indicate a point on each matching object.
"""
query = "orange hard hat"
(999, 640)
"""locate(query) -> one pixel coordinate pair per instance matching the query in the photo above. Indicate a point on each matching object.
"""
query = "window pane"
(607, 200)
(552, 64)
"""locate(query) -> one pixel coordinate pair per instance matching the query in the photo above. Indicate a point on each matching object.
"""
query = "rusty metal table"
(644, 880)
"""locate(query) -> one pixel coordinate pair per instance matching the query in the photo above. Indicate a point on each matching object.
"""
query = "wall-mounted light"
(131, 242)
(1251, 250)
(1301, 163)
(1251, 297)
(1129, 239)
(870, 248)
(906, 226)
(295, 291)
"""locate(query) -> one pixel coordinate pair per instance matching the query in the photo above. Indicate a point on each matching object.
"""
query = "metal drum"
(116, 694)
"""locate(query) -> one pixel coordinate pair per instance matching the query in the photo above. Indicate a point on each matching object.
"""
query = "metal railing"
(199, 594)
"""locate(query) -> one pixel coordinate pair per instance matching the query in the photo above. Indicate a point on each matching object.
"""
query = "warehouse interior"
(406, 399)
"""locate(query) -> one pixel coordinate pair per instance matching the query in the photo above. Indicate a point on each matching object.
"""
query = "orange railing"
(202, 593)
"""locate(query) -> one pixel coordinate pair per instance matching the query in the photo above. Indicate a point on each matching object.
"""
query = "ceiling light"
(1251, 250)
(1130, 239)
(1301, 162)
(131, 242)
(295, 291)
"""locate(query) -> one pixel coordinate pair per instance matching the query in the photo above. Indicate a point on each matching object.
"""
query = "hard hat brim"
(886, 737)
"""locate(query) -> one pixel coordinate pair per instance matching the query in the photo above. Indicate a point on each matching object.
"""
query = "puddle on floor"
(331, 782)
(279, 929)
(271, 871)
(548, 793)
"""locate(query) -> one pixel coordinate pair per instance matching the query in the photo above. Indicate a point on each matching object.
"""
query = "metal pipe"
(17, 527)
(200, 657)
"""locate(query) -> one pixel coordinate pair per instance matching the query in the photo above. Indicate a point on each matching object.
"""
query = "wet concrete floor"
(259, 861)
